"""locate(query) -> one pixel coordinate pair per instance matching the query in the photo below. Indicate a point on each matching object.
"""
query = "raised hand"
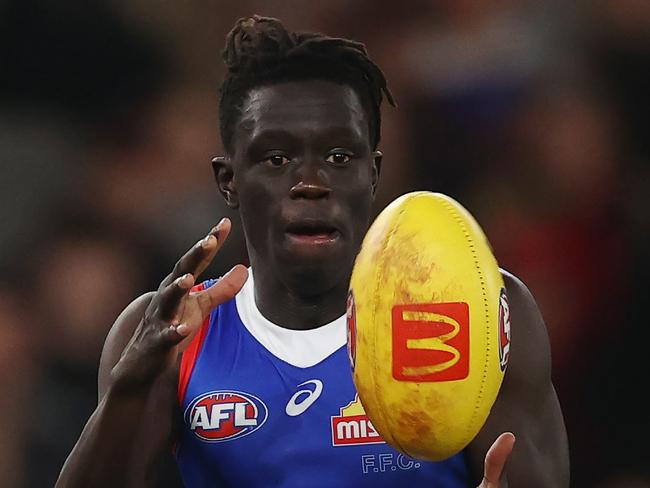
(495, 460)
(175, 313)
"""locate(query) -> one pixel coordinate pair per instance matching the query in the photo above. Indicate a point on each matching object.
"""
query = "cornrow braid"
(260, 51)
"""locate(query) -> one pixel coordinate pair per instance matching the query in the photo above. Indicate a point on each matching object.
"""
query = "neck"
(288, 305)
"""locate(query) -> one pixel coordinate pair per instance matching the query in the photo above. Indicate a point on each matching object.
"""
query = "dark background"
(532, 114)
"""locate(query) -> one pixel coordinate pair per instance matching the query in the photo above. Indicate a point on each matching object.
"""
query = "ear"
(224, 176)
(376, 169)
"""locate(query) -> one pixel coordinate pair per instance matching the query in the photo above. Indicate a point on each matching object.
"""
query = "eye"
(338, 158)
(276, 160)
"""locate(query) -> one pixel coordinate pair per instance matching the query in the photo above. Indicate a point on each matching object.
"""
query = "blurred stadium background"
(533, 114)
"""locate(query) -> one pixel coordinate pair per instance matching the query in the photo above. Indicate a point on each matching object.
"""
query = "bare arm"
(111, 429)
(527, 404)
(131, 429)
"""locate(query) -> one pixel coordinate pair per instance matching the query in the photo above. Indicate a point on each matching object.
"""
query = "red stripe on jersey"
(191, 354)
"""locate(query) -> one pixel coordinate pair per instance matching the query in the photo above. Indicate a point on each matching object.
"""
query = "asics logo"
(305, 398)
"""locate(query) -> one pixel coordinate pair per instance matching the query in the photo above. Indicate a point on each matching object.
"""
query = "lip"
(311, 232)
(320, 239)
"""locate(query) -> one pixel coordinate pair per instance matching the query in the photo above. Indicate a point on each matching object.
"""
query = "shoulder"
(530, 358)
(516, 288)
(119, 336)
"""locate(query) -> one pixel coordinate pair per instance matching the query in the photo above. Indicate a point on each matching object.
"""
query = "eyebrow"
(265, 136)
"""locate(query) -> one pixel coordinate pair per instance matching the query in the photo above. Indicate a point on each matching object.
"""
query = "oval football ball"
(428, 326)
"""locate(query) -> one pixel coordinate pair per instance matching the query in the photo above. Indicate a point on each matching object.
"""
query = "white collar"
(300, 348)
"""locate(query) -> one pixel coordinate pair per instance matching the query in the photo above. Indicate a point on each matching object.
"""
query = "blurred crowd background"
(533, 114)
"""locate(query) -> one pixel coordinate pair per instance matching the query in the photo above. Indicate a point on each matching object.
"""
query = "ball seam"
(470, 241)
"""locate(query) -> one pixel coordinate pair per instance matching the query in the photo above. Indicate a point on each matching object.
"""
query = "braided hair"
(260, 51)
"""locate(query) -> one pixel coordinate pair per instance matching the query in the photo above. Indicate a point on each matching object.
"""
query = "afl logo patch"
(504, 329)
(225, 415)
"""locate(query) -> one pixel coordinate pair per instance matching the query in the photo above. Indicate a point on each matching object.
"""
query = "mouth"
(312, 232)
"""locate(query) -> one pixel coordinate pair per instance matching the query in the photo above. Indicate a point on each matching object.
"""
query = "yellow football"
(428, 326)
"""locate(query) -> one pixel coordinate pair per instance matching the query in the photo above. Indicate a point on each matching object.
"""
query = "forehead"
(302, 107)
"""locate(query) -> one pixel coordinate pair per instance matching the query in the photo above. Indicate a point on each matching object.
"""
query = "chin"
(312, 274)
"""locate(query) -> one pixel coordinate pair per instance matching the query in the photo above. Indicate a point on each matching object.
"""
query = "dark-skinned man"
(244, 378)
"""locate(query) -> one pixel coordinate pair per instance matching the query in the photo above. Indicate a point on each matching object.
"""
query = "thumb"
(495, 460)
(223, 290)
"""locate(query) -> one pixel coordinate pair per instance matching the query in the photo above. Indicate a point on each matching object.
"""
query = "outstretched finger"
(495, 460)
(223, 290)
(171, 296)
(201, 254)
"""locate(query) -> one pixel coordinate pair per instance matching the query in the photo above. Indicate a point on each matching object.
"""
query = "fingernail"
(182, 329)
(207, 240)
(216, 228)
(180, 279)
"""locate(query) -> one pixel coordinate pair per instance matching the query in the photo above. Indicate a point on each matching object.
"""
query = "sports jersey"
(266, 406)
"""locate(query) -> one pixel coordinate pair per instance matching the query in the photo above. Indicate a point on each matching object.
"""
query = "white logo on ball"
(295, 408)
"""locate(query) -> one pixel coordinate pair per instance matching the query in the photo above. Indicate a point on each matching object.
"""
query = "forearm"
(103, 453)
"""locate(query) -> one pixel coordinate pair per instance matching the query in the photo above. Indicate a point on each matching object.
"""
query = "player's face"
(304, 175)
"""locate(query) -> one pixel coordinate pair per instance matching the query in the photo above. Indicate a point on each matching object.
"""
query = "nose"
(312, 182)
